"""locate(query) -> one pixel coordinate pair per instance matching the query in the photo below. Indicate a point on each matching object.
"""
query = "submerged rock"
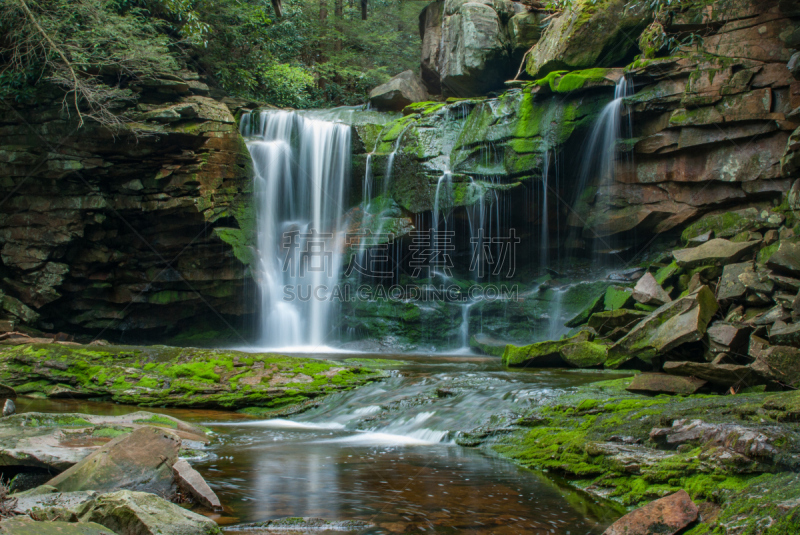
(665, 516)
(300, 524)
(141, 461)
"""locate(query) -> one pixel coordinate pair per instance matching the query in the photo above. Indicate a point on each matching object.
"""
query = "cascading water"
(302, 166)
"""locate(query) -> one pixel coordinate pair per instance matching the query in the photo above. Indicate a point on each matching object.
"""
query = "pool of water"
(388, 454)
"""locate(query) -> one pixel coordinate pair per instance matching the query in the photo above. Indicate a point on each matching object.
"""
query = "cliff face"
(104, 232)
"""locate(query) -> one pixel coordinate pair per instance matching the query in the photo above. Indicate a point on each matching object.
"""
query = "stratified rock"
(662, 383)
(729, 223)
(714, 251)
(728, 337)
(402, 90)
(776, 313)
(621, 321)
(678, 322)
(665, 516)
(648, 292)
(192, 482)
(780, 364)
(140, 513)
(786, 259)
(721, 375)
(755, 443)
(142, 461)
(26, 526)
(584, 36)
(787, 335)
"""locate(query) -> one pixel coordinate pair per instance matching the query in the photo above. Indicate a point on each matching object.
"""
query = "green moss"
(564, 81)
(158, 420)
(617, 297)
(110, 432)
(766, 253)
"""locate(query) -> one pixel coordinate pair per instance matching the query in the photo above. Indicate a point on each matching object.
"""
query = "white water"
(302, 166)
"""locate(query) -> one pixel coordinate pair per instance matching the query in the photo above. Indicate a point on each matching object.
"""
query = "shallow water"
(387, 454)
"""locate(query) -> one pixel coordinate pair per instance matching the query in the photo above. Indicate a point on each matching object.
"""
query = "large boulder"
(140, 513)
(678, 322)
(475, 58)
(402, 90)
(721, 375)
(665, 516)
(588, 34)
(141, 461)
(578, 352)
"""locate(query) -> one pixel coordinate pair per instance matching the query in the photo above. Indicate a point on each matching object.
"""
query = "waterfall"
(302, 166)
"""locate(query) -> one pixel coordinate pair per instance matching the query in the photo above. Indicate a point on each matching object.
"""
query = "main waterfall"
(302, 169)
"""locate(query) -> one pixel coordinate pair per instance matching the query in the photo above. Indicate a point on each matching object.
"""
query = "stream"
(388, 453)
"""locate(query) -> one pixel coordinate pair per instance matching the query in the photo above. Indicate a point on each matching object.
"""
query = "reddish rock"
(662, 383)
(665, 516)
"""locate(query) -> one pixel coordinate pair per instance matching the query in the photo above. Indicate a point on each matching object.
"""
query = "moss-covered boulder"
(713, 252)
(26, 526)
(174, 376)
(578, 352)
(588, 34)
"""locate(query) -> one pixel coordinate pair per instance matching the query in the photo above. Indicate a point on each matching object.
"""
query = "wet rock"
(662, 383)
(142, 460)
(678, 322)
(648, 292)
(302, 524)
(786, 259)
(666, 516)
(786, 335)
(192, 482)
(721, 375)
(141, 513)
(487, 345)
(9, 408)
(755, 443)
(627, 275)
(27, 526)
(714, 251)
(402, 90)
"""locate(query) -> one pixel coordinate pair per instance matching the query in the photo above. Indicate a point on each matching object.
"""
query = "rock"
(729, 223)
(487, 345)
(619, 321)
(671, 325)
(661, 383)
(794, 65)
(770, 236)
(700, 239)
(142, 460)
(617, 297)
(584, 37)
(577, 351)
(728, 337)
(9, 408)
(786, 335)
(787, 283)
(192, 482)
(402, 90)
(6, 392)
(755, 443)
(777, 313)
(140, 513)
(304, 525)
(475, 58)
(49, 504)
(786, 259)
(780, 364)
(647, 291)
(27, 526)
(665, 516)
(714, 251)
(721, 375)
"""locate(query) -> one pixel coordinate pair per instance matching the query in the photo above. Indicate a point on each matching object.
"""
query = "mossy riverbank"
(727, 452)
(255, 383)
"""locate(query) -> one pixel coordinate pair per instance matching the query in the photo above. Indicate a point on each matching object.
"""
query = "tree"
(323, 11)
(363, 9)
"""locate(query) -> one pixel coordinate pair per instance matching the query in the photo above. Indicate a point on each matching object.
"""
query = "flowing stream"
(388, 454)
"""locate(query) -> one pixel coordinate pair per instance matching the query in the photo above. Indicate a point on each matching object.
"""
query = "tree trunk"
(276, 5)
(363, 9)
(323, 10)
(338, 8)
